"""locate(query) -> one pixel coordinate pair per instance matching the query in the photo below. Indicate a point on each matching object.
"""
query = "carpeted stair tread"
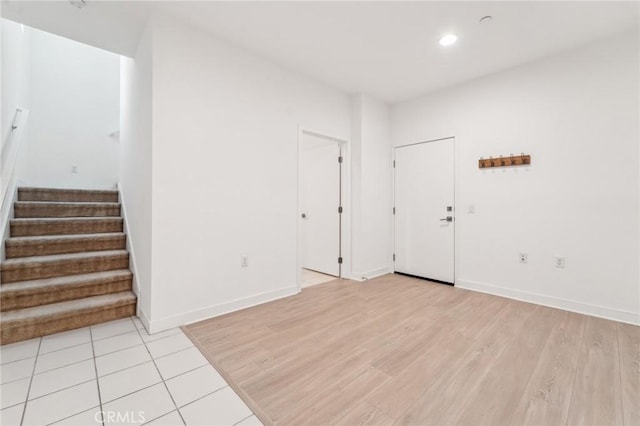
(67, 264)
(26, 209)
(61, 244)
(65, 226)
(22, 294)
(57, 265)
(33, 285)
(27, 323)
(57, 257)
(69, 307)
(61, 194)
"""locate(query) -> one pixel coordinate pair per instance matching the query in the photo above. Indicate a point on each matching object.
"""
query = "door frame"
(345, 195)
(455, 201)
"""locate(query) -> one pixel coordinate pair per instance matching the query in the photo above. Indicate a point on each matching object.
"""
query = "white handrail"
(11, 149)
(16, 117)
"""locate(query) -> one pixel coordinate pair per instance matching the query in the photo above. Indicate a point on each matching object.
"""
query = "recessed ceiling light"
(448, 40)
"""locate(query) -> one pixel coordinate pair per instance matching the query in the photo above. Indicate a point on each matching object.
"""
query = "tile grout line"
(206, 395)
(68, 417)
(167, 354)
(96, 372)
(62, 366)
(84, 343)
(19, 378)
(160, 374)
(173, 353)
(123, 369)
(68, 347)
(159, 417)
(97, 377)
(242, 420)
(83, 360)
(132, 392)
(16, 360)
(95, 369)
(185, 372)
(118, 350)
(61, 389)
(26, 399)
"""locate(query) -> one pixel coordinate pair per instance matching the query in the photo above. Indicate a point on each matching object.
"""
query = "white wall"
(371, 188)
(15, 72)
(135, 166)
(225, 140)
(74, 96)
(15, 60)
(577, 115)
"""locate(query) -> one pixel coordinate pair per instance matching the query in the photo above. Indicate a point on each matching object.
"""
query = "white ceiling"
(388, 50)
(111, 25)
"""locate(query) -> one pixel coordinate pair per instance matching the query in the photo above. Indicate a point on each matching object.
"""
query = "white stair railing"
(11, 148)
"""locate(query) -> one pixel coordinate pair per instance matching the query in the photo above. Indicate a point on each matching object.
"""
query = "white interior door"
(320, 199)
(424, 199)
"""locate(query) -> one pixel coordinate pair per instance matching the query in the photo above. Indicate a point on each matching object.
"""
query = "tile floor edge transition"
(257, 410)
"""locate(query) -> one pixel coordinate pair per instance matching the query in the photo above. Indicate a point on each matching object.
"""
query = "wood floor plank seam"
(620, 369)
(575, 377)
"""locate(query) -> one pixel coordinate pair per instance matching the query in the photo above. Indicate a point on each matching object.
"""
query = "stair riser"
(39, 248)
(16, 331)
(56, 228)
(65, 267)
(30, 211)
(67, 196)
(26, 299)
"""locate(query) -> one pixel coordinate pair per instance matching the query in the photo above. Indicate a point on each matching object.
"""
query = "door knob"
(303, 215)
(447, 219)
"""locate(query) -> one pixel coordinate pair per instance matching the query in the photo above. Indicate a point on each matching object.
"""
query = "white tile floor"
(119, 370)
(309, 278)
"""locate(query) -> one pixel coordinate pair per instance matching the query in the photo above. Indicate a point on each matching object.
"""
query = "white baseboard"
(143, 318)
(364, 276)
(217, 310)
(6, 212)
(553, 302)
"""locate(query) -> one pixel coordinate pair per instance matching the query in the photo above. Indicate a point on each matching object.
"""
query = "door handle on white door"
(447, 219)
(303, 215)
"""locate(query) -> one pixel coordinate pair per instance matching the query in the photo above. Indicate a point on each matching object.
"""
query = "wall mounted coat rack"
(512, 160)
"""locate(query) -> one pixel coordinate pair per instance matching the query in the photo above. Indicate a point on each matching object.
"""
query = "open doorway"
(320, 208)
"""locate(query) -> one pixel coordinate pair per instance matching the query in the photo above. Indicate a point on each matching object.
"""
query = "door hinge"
(340, 159)
(340, 209)
(340, 260)
(394, 257)
(394, 210)
(394, 163)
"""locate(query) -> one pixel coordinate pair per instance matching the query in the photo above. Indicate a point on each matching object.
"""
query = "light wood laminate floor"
(401, 351)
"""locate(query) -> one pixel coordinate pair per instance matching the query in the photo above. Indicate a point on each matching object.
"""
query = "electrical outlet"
(560, 262)
(74, 168)
(472, 208)
(524, 258)
(244, 261)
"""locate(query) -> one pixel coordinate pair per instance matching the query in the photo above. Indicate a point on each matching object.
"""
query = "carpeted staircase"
(66, 263)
